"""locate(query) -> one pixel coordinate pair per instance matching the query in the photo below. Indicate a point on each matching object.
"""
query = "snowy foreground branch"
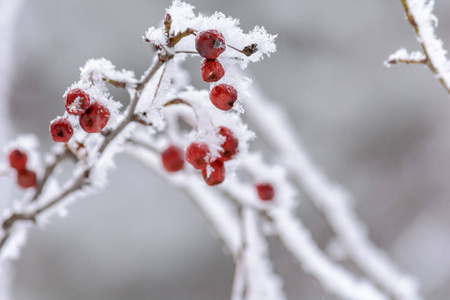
(420, 15)
(169, 124)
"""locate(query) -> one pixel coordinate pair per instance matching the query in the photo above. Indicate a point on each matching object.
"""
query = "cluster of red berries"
(196, 155)
(18, 161)
(93, 116)
(210, 44)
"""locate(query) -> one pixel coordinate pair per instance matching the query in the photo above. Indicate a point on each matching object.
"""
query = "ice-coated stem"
(420, 15)
(332, 201)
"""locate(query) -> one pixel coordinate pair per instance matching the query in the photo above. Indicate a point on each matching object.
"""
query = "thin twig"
(177, 101)
(143, 144)
(148, 75)
(187, 52)
(407, 61)
(247, 51)
(429, 60)
(49, 171)
(159, 82)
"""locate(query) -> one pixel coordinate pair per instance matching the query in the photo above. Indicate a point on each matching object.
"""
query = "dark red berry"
(172, 159)
(217, 175)
(18, 160)
(77, 101)
(211, 70)
(95, 118)
(223, 96)
(61, 130)
(265, 191)
(196, 155)
(26, 179)
(210, 43)
(229, 146)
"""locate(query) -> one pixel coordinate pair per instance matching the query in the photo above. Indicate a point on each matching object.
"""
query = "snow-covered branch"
(331, 200)
(420, 15)
(169, 123)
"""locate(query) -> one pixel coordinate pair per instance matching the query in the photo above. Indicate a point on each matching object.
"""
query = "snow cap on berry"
(92, 81)
(183, 17)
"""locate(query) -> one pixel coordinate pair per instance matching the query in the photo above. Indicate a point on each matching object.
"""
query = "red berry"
(95, 118)
(195, 155)
(211, 70)
(265, 191)
(210, 43)
(18, 160)
(223, 96)
(77, 101)
(61, 130)
(217, 175)
(26, 179)
(173, 159)
(229, 146)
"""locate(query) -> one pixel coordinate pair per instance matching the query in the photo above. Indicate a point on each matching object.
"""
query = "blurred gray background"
(382, 133)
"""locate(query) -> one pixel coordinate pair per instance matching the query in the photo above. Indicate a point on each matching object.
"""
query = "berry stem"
(142, 144)
(175, 39)
(247, 51)
(159, 82)
(187, 52)
(167, 24)
(177, 101)
(116, 83)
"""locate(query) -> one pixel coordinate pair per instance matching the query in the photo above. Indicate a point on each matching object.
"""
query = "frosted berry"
(210, 43)
(223, 96)
(229, 146)
(26, 179)
(61, 130)
(95, 118)
(217, 175)
(265, 191)
(172, 159)
(18, 160)
(211, 70)
(196, 155)
(77, 101)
